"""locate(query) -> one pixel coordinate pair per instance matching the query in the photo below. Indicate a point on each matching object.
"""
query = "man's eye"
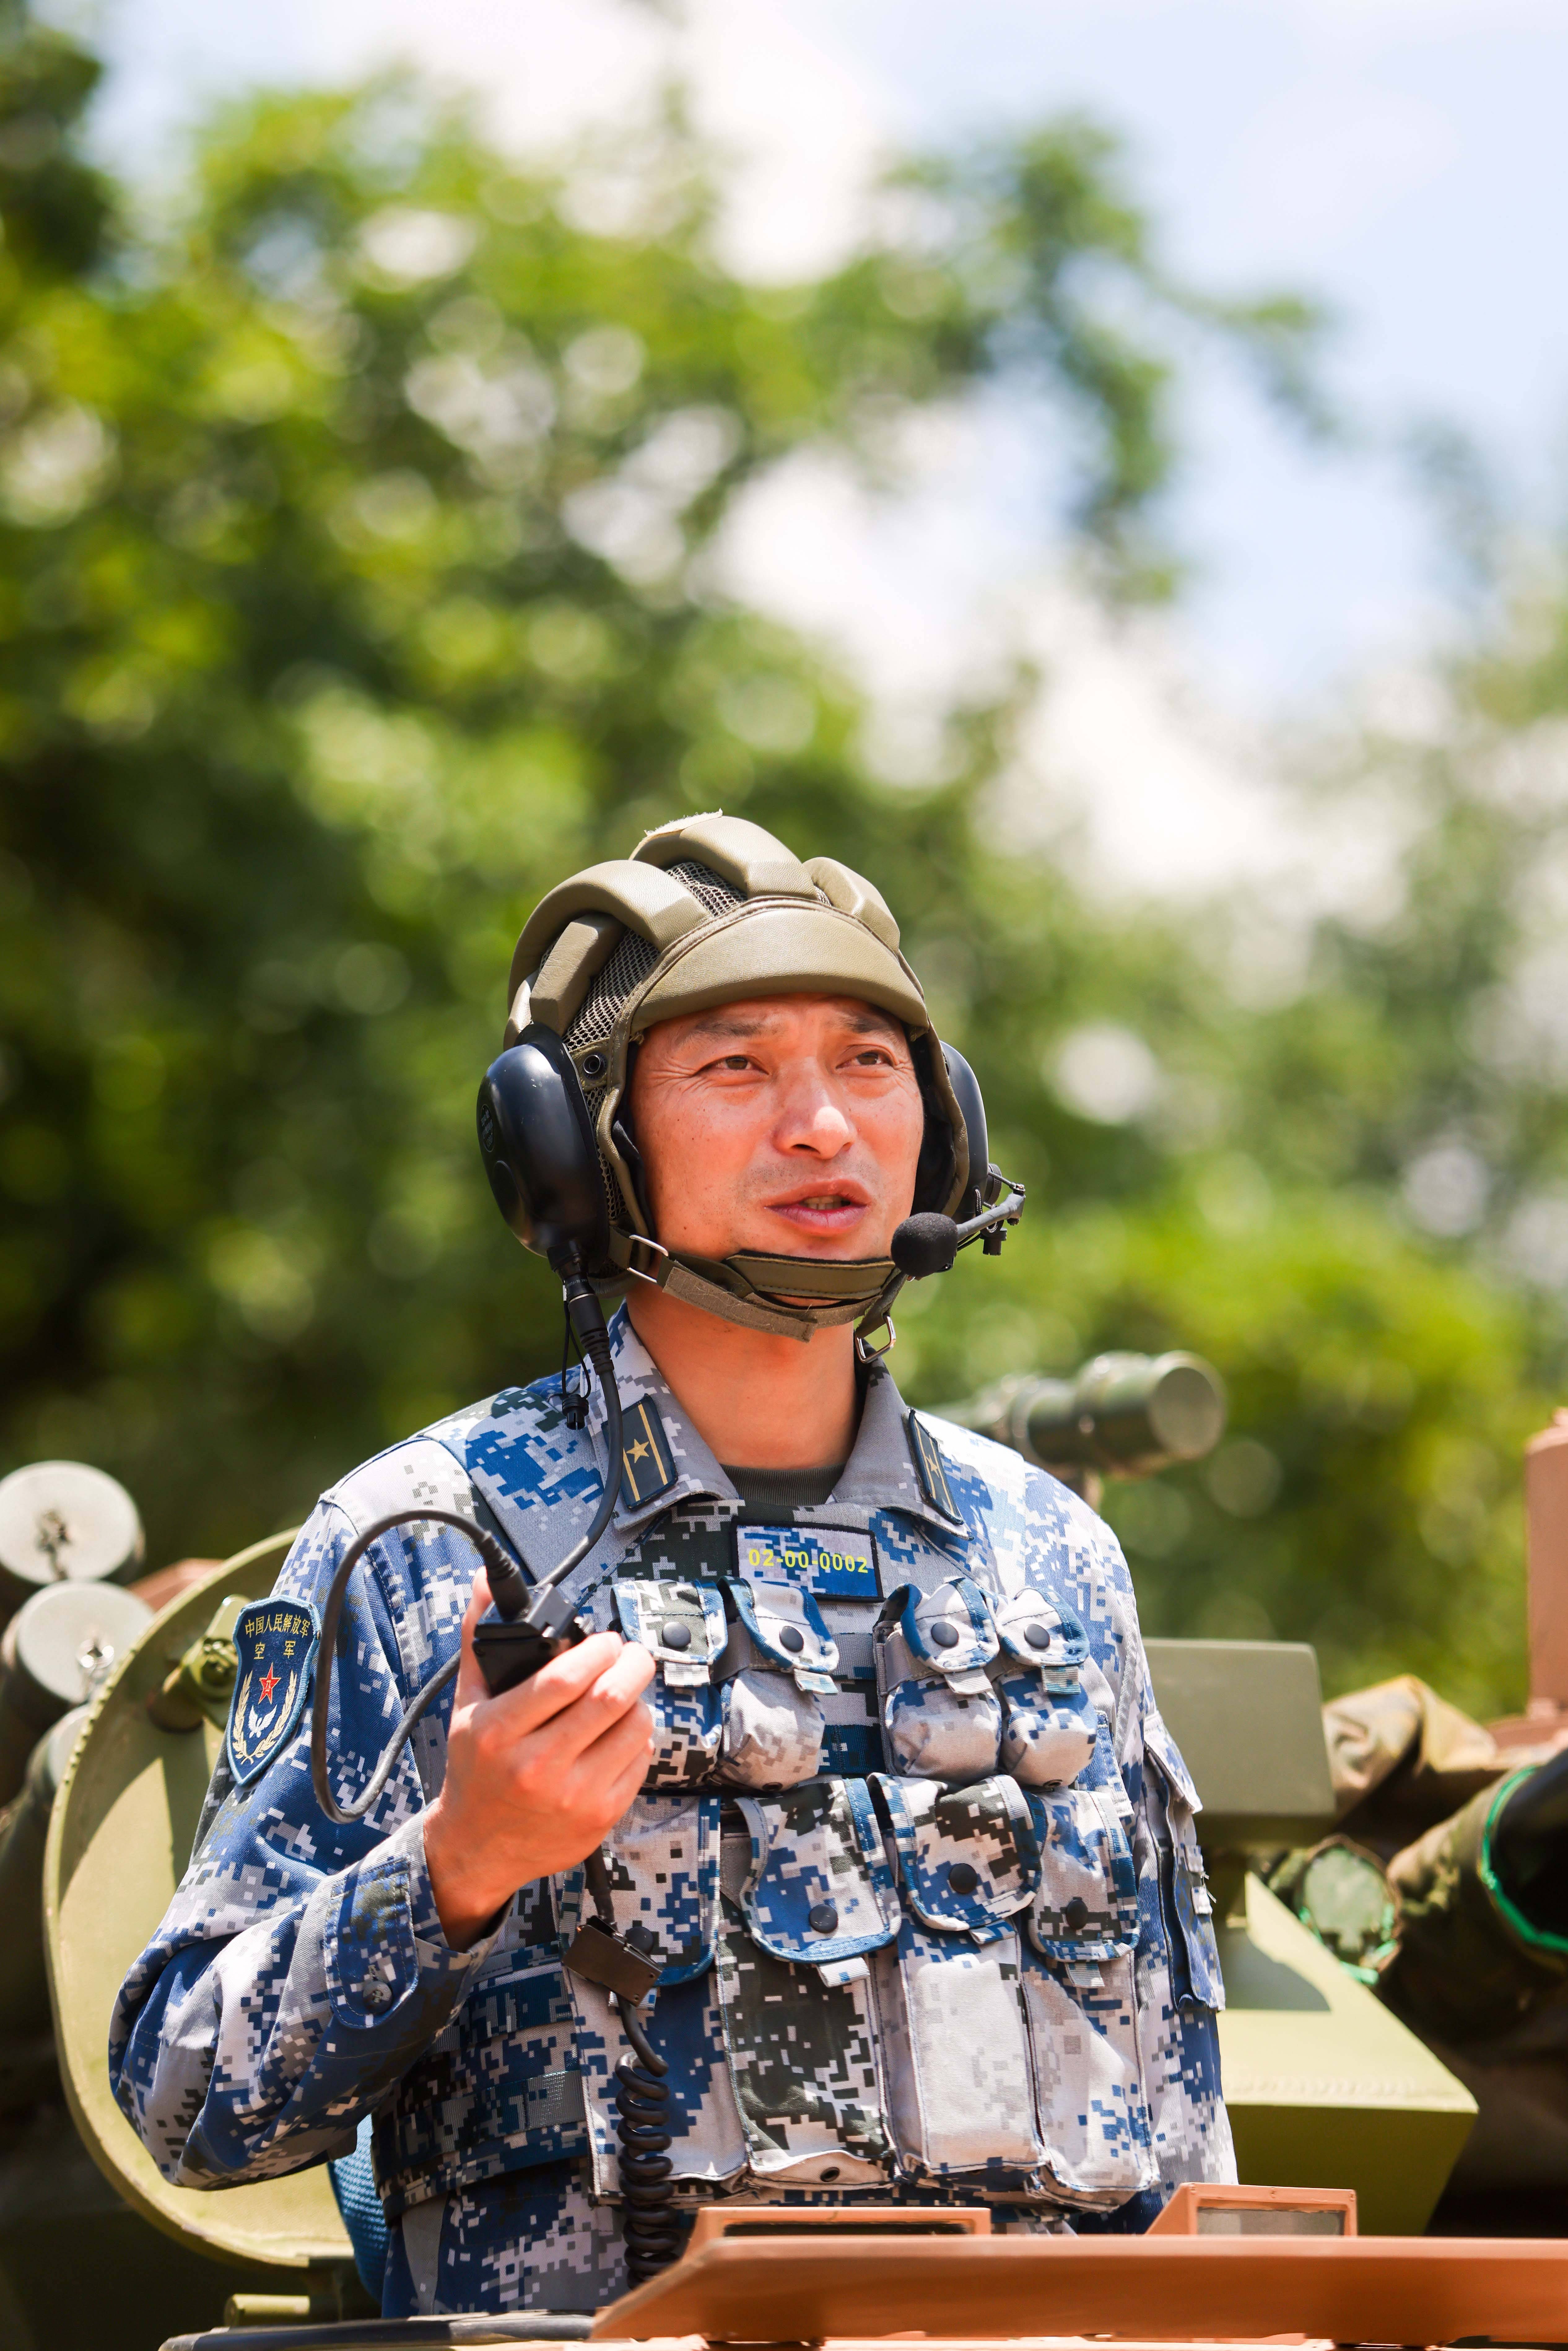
(735, 1061)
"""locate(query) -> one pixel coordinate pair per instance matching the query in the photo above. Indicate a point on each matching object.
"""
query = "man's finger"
(556, 1685)
(622, 1790)
(530, 1704)
(616, 1750)
(613, 1694)
(602, 1781)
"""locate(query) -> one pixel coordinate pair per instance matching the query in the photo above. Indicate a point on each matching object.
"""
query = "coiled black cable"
(651, 2224)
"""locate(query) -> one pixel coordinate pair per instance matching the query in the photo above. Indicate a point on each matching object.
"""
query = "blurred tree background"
(355, 525)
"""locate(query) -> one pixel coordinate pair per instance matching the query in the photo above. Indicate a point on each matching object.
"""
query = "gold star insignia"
(639, 1451)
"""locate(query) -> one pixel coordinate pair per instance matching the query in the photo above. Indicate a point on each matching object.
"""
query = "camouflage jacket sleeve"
(302, 1968)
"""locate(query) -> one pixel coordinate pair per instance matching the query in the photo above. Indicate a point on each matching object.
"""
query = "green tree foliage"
(355, 585)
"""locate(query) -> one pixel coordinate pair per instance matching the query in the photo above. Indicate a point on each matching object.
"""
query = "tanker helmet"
(707, 910)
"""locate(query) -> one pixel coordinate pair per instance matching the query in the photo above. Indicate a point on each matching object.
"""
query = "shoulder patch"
(277, 1642)
(647, 1465)
(930, 1467)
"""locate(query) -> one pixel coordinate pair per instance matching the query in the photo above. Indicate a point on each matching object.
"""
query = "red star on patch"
(268, 1683)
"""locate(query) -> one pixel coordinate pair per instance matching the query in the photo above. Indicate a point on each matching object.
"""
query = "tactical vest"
(884, 1846)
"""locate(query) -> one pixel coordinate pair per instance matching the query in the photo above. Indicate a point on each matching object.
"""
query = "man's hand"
(535, 1778)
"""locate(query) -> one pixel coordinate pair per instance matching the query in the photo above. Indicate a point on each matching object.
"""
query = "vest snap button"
(1037, 1636)
(374, 1994)
(823, 1919)
(674, 1634)
(791, 1638)
(1076, 1913)
(945, 1634)
(962, 1877)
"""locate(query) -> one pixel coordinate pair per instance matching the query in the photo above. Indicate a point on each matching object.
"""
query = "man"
(863, 1725)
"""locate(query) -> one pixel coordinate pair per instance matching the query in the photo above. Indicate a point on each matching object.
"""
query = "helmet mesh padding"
(717, 896)
(629, 963)
(632, 959)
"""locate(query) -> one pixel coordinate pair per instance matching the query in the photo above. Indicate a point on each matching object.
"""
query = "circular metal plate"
(61, 1643)
(63, 1522)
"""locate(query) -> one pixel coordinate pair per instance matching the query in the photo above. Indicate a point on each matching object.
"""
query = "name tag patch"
(832, 1562)
(276, 1641)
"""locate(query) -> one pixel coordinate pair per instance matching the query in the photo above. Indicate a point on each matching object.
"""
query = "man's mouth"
(830, 1211)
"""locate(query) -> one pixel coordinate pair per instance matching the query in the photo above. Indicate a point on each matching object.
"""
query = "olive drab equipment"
(120, 1832)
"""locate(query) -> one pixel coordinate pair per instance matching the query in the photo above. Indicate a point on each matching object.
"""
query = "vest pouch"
(1089, 2080)
(785, 1628)
(662, 1863)
(819, 1888)
(947, 1631)
(1049, 1726)
(1078, 1992)
(969, 1858)
(1184, 1882)
(771, 1732)
(708, 2144)
(949, 1991)
(794, 1985)
(940, 1716)
(683, 1626)
(1047, 1736)
(934, 1734)
(1043, 1635)
(686, 1735)
(1087, 1906)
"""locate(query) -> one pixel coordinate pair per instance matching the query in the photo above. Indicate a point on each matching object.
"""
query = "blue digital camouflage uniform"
(915, 1846)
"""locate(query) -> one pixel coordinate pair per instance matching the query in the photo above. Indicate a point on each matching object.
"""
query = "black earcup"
(966, 1087)
(538, 1145)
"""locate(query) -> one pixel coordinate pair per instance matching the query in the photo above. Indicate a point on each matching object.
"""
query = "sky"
(1400, 160)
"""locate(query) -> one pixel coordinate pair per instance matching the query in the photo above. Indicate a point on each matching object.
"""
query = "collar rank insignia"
(647, 1465)
(277, 1642)
(930, 1468)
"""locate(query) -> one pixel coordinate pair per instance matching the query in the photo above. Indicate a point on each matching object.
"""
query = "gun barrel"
(1126, 1415)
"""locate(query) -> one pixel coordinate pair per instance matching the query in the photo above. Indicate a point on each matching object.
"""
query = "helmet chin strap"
(788, 1297)
(791, 1297)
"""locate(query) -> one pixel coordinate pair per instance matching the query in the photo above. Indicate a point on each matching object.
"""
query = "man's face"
(787, 1123)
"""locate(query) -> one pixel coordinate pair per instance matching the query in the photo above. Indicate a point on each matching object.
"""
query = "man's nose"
(810, 1116)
